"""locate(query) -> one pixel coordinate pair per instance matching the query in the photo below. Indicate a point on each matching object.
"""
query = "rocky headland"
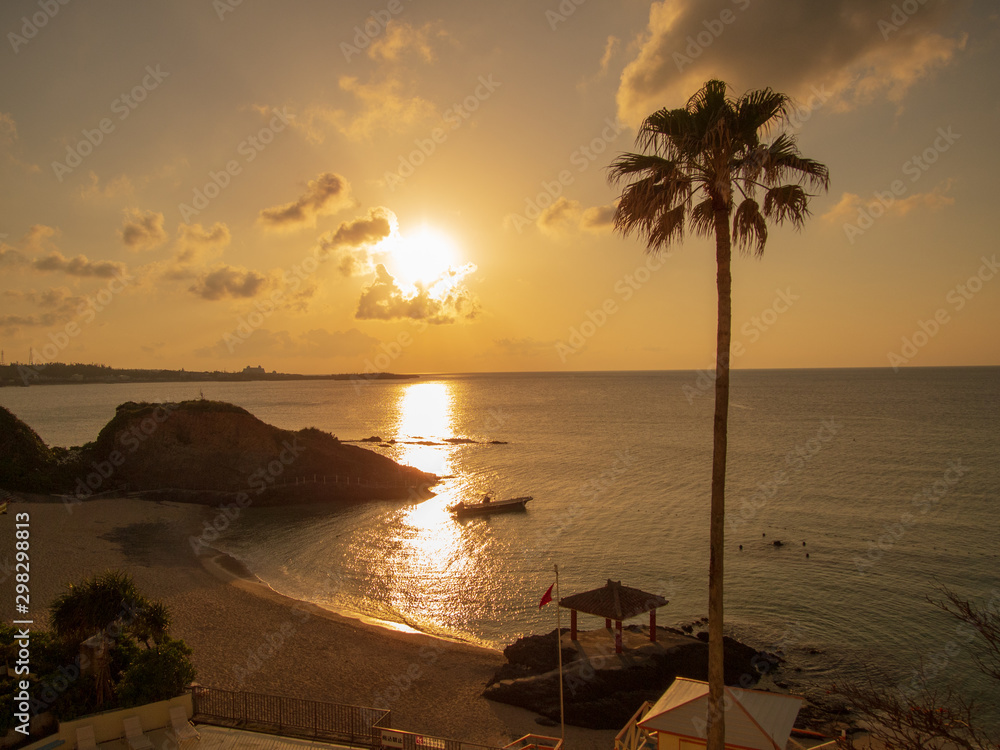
(202, 451)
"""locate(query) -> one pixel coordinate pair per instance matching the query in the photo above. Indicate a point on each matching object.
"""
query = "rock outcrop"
(602, 690)
(202, 451)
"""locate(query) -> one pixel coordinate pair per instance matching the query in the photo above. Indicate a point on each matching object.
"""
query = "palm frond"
(709, 156)
(787, 203)
(703, 218)
(749, 227)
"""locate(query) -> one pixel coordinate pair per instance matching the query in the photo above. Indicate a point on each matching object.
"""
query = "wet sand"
(245, 636)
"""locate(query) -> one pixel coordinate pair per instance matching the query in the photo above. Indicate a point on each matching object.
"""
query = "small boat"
(488, 505)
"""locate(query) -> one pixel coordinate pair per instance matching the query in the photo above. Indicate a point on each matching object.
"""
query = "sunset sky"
(422, 186)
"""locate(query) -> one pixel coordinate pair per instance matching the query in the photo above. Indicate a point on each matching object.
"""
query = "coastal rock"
(27, 462)
(212, 452)
(602, 690)
(538, 652)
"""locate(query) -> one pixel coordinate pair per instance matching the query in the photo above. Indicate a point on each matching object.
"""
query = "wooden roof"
(613, 601)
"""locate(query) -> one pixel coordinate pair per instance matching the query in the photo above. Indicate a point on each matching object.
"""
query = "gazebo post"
(618, 636)
(652, 626)
(572, 624)
(607, 623)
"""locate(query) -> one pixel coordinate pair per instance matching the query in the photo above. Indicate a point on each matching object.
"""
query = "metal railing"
(276, 714)
(397, 739)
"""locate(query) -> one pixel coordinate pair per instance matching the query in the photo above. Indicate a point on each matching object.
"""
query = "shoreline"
(229, 569)
(247, 636)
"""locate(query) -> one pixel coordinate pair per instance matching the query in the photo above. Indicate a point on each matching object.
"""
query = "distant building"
(258, 370)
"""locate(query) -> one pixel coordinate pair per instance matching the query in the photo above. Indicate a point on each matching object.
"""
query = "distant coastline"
(57, 373)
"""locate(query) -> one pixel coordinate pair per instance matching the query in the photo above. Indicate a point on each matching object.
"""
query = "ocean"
(882, 488)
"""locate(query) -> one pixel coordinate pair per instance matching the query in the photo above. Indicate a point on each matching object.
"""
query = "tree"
(925, 711)
(156, 674)
(107, 605)
(702, 167)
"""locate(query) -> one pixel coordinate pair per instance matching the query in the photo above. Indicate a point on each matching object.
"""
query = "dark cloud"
(352, 239)
(142, 230)
(845, 52)
(327, 194)
(52, 260)
(78, 266)
(440, 302)
(230, 282)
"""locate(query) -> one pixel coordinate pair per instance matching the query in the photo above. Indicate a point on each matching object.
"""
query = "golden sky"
(421, 186)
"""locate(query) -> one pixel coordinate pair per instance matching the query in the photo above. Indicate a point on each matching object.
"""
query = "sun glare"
(422, 256)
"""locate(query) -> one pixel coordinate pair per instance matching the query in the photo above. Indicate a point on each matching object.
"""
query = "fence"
(395, 739)
(277, 714)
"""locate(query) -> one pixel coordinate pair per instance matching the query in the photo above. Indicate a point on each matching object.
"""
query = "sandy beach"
(247, 637)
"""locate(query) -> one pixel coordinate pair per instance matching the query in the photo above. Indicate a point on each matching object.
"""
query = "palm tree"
(702, 167)
(105, 606)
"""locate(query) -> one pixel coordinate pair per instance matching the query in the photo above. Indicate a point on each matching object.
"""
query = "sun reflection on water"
(426, 416)
(432, 554)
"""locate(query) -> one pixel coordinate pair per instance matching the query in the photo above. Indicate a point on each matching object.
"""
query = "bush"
(156, 674)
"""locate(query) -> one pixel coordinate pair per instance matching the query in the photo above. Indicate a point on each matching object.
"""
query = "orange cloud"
(837, 47)
(327, 194)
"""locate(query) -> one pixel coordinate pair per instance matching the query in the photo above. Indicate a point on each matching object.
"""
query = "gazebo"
(614, 602)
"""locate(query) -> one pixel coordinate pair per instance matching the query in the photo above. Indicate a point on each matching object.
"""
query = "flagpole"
(562, 715)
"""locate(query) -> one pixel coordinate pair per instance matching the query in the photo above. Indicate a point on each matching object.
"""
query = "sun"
(420, 257)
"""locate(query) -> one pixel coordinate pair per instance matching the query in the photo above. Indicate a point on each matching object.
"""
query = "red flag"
(547, 598)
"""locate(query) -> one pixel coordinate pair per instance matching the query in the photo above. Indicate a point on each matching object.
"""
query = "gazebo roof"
(756, 720)
(613, 601)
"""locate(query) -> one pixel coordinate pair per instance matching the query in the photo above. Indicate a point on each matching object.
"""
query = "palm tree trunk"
(716, 662)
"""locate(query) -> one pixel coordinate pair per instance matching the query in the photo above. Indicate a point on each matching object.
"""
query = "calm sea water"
(888, 481)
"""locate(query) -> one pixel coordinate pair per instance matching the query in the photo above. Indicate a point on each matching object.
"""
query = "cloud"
(352, 239)
(315, 343)
(78, 266)
(851, 206)
(599, 218)
(441, 302)
(125, 186)
(837, 47)
(58, 305)
(116, 187)
(142, 230)
(560, 218)
(401, 38)
(10, 256)
(327, 194)
(34, 239)
(384, 106)
(35, 242)
(195, 243)
(54, 298)
(226, 281)
(610, 50)
(566, 216)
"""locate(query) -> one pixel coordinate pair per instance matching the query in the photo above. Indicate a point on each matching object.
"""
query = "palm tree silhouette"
(702, 167)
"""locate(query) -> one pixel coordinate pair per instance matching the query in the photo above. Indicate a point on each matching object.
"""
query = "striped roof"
(613, 601)
(755, 719)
